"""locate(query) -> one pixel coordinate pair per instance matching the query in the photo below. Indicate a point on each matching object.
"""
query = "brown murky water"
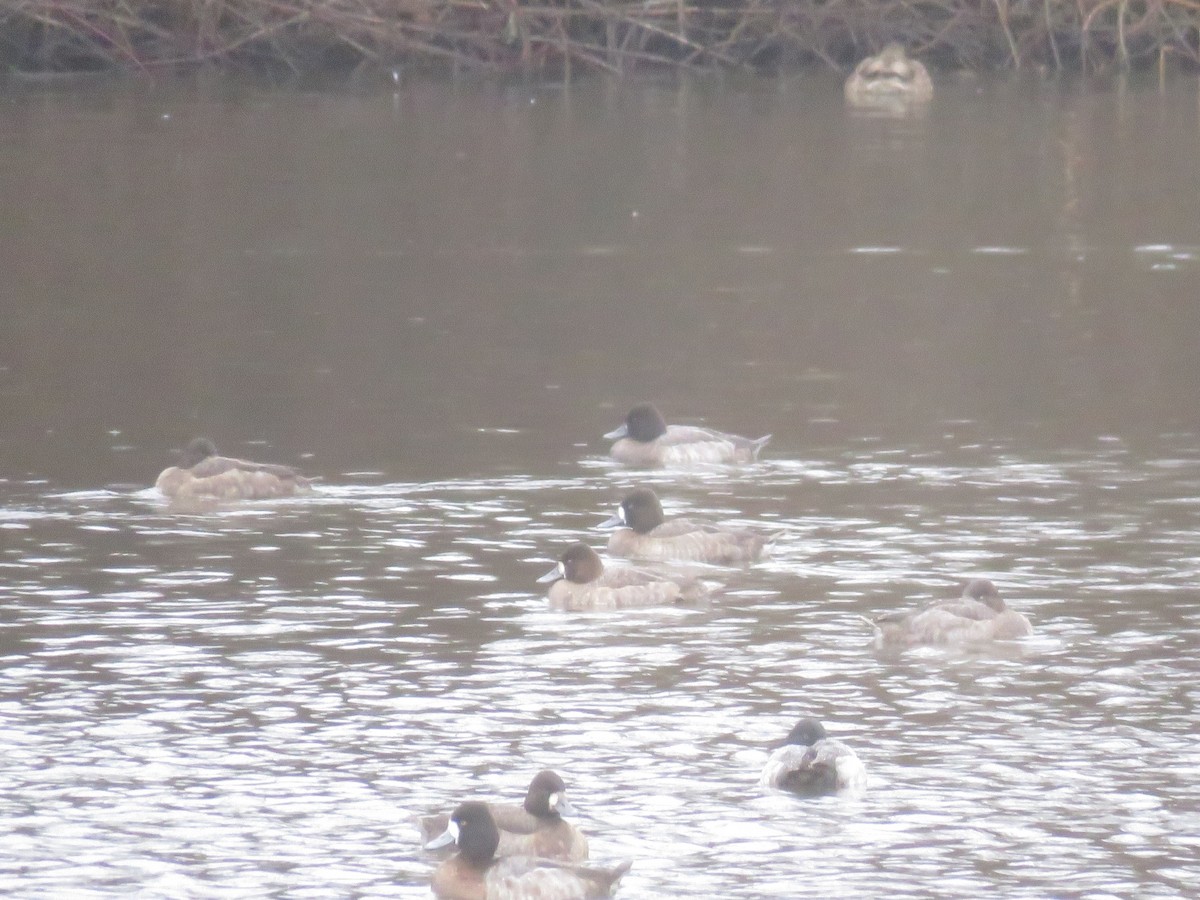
(974, 335)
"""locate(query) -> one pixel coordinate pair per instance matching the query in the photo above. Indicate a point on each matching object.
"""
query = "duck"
(203, 475)
(979, 616)
(474, 872)
(811, 763)
(888, 78)
(534, 828)
(643, 534)
(580, 582)
(645, 439)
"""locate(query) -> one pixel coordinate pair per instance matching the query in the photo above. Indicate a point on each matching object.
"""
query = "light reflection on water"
(260, 699)
(449, 286)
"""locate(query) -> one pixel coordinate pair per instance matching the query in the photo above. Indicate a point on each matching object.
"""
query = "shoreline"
(579, 37)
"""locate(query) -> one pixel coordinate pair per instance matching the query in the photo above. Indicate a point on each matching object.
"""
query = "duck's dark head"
(475, 832)
(641, 511)
(579, 564)
(547, 796)
(805, 733)
(197, 450)
(643, 424)
(892, 64)
(985, 592)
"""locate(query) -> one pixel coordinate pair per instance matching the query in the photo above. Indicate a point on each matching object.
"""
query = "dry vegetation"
(566, 36)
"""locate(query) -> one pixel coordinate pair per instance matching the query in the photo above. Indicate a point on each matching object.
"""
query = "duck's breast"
(851, 773)
(549, 838)
(946, 627)
(782, 761)
(721, 545)
(171, 481)
(558, 840)
(454, 879)
(514, 818)
(599, 597)
(801, 770)
(1011, 625)
(640, 454)
(242, 484)
(627, 543)
(686, 542)
(656, 546)
(687, 445)
(522, 878)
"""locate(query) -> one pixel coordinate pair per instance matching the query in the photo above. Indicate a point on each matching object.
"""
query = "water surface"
(973, 335)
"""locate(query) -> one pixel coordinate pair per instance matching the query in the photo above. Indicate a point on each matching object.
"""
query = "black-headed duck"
(646, 440)
(889, 78)
(203, 475)
(580, 582)
(474, 872)
(810, 763)
(535, 828)
(979, 616)
(642, 533)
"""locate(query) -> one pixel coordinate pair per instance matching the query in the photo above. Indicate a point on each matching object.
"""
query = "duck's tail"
(880, 640)
(757, 546)
(695, 590)
(603, 877)
(874, 626)
(610, 876)
(757, 444)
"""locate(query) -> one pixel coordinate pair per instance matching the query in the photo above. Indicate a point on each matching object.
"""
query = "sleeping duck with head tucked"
(203, 475)
(474, 872)
(811, 763)
(580, 582)
(889, 78)
(979, 616)
(643, 533)
(646, 440)
(535, 828)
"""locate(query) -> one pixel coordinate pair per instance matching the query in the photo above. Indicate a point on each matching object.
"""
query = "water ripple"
(291, 683)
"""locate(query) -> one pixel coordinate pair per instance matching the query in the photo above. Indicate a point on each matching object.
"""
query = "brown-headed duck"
(646, 440)
(810, 763)
(474, 872)
(580, 582)
(888, 79)
(979, 616)
(536, 828)
(643, 534)
(203, 475)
